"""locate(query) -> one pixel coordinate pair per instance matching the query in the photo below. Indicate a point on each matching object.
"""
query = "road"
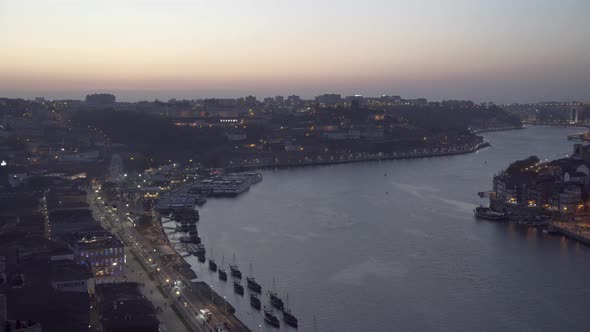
(135, 271)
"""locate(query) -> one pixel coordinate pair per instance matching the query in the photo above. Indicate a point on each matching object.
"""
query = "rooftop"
(122, 307)
(97, 240)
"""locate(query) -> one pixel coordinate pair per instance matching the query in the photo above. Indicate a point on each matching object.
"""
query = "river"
(393, 245)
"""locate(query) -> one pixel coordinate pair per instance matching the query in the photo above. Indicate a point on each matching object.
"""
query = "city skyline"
(502, 52)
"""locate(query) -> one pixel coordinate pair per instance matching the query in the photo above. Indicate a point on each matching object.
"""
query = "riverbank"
(487, 130)
(376, 157)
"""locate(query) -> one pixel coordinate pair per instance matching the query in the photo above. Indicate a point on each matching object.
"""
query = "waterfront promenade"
(178, 301)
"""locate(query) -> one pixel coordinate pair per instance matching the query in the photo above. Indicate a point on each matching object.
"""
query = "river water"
(393, 245)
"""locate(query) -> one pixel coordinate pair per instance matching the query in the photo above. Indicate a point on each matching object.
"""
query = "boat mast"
(287, 301)
(315, 328)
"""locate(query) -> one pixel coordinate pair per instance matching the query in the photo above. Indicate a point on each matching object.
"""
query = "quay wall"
(576, 236)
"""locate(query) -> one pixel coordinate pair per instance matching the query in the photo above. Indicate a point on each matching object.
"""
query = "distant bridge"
(582, 124)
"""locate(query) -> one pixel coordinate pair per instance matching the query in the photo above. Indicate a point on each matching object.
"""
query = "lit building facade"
(103, 252)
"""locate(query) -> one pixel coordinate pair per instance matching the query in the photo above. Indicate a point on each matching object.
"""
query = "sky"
(482, 50)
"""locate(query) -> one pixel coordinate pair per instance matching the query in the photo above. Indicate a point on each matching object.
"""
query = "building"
(31, 292)
(15, 325)
(350, 134)
(250, 101)
(294, 100)
(567, 200)
(101, 99)
(66, 212)
(103, 252)
(85, 156)
(357, 100)
(329, 99)
(123, 308)
(67, 276)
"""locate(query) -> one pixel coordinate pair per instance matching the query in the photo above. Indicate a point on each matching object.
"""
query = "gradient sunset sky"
(499, 50)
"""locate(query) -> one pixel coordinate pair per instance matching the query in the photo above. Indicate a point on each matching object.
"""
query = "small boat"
(290, 319)
(254, 301)
(200, 200)
(234, 269)
(487, 213)
(238, 288)
(252, 284)
(212, 264)
(235, 272)
(270, 318)
(552, 230)
(221, 272)
(200, 249)
(276, 301)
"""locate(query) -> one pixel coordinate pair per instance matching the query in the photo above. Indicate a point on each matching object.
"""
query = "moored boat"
(238, 288)
(235, 271)
(200, 249)
(212, 265)
(487, 213)
(290, 319)
(255, 301)
(270, 318)
(252, 284)
(221, 272)
(276, 301)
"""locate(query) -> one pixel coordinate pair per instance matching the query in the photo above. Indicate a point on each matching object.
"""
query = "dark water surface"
(367, 252)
